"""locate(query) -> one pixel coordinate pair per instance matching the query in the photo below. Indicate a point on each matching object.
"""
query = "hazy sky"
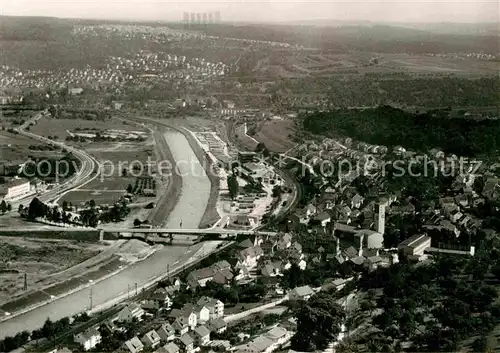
(270, 10)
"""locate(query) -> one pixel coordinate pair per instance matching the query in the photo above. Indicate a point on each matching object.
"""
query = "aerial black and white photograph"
(254, 176)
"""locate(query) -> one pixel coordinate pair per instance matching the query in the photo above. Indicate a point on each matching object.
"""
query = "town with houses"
(296, 236)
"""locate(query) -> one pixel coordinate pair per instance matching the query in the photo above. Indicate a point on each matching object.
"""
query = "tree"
(130, 188)
(92, 204)
(3, 206)
(232, 184)
(65, 205)
(9, 207)
(318, 323)
(37, 209)
(137, 222)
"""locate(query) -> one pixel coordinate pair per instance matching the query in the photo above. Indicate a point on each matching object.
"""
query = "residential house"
(349, 253)
(218, 325)
(202, 335)
(301, 293)
(166, 332)
(224, 276)
(162, 298)
(285, 241)
(323, 218)
(130, 312)
(271, 269)
(183, 324)
(279, 335)
(357, 201)
(462, 200)
(201, 311)
(187, 343)
(214, 306)
(200, 277)
(221, 265)
(268, 342)
(250, 256)
(169, 348)
(358, 261)
(260, 344)
(151, 339)
(372, 263)
(88, 339)
(299, 217)
(133, 345)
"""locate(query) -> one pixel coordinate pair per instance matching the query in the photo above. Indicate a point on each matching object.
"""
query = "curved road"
(84, 176)
(189, 209)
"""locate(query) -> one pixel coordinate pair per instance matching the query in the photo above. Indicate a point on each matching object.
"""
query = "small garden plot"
(145, 186)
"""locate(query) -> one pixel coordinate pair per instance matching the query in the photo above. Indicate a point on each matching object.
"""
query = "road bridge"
(143, 231)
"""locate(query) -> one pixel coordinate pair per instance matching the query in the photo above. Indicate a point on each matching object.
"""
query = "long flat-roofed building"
(15, 188)
(415, 245)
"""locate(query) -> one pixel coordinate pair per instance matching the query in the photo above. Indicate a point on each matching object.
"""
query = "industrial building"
(15, 188)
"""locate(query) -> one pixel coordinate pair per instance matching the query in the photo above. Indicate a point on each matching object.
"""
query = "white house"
(202, 335)
(214, 306)
(166, 332)
(202, 312)
(162, 298)
(249, 256)
(133, 345)
(186, 322)
(88, 339)
(130, 312)
(218, 325)
(151, 339)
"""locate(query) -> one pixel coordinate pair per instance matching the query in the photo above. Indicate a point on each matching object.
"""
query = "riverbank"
(173, 190)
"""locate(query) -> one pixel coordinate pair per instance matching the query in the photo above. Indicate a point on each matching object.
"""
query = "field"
(38, 259)
(276, 135)
(60, 127)
(319, 64)
(80, 197)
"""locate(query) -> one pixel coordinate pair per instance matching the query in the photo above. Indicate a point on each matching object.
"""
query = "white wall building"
(16, 188)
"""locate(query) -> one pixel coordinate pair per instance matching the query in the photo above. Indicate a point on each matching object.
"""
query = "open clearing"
(38, 259)
(79, 198)
(107, 260)
(276, 135)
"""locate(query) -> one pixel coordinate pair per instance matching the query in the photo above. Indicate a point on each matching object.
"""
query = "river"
(189, 210)
(195, 184)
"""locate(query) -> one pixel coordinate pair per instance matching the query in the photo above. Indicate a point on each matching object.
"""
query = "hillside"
(419, 132)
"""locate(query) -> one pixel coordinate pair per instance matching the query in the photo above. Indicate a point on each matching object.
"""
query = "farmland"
(145, 186)
(316, 64)
(276, 135)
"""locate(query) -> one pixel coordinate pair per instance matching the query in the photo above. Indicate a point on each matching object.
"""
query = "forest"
(419, 132)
